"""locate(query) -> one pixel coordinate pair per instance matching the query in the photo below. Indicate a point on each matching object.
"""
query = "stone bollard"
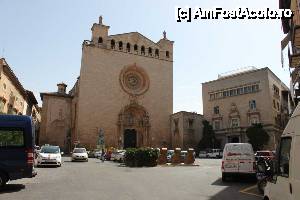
(162, 159)
(189, 158)
(176, 158)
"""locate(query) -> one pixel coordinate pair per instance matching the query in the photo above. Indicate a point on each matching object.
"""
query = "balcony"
(294, 60)
(296, 29)
(295, 76)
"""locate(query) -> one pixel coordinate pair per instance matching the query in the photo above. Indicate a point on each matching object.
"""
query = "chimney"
(61, 88)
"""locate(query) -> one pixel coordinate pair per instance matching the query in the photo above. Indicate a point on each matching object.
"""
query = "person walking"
(102, 155)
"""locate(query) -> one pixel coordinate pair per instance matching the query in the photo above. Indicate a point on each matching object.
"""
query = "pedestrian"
(102, 155)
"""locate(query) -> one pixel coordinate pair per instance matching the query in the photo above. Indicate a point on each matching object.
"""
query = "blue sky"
(41, 40)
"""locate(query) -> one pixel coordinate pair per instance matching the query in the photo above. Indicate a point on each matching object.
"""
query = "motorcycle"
(264, 172)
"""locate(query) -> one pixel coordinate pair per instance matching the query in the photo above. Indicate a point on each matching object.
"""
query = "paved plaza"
(95, 180)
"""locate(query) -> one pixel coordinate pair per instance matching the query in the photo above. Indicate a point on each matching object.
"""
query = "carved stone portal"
(134, 117)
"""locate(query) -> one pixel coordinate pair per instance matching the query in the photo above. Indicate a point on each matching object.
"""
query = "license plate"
(49, 160)
(230, 165)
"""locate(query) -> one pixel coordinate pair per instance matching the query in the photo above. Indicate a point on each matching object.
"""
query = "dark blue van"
(16, 148)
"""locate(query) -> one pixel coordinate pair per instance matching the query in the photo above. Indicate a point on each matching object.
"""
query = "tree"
(257, 136)
(209, 139)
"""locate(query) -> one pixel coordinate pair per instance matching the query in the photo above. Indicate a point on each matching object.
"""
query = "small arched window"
(113, 44)
(120, 45)
(100, 40)
(128, 47)
(135, 47)
(143, 50)
(167, 54)
(156, 53)
(150, 51)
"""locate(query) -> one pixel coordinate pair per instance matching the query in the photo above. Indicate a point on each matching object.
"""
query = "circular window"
(134, 80)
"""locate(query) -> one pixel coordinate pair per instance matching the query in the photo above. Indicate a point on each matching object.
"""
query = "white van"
(238, 158)
(285, 182)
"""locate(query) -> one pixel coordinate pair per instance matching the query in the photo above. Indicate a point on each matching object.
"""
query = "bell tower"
(99, 32)
(166, 46)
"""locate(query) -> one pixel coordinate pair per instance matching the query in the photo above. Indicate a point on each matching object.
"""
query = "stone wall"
(102, 98)
(56, 120)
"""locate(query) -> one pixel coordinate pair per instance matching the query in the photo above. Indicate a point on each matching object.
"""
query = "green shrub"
(141, 157)
(151, 156)
(130, 157)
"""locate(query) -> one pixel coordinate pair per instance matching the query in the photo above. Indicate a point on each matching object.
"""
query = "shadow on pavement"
(235, 185)
(235, 181)
(46, 166)
(9, 188)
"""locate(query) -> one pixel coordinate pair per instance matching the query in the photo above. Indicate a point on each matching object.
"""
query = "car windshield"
(79, 151)
(50, 149)
(234, 150)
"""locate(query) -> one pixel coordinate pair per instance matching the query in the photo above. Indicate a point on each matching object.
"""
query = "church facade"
(124, 92)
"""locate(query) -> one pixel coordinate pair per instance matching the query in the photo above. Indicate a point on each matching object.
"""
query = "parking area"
(112, 181)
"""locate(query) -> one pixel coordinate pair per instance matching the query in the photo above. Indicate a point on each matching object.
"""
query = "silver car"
(79, 154)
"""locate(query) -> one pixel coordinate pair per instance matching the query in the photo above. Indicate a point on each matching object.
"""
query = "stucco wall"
(186, 137)
(19, 102)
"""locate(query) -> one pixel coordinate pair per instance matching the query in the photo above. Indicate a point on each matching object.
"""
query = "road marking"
(246, 191)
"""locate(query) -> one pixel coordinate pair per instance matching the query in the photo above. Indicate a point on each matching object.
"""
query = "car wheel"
(3, 179)
(224, 177)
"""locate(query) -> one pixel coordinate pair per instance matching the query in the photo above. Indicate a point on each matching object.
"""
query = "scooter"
(264, 171)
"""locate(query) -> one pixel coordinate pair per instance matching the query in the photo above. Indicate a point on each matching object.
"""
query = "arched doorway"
(133, 124)
(130, 138)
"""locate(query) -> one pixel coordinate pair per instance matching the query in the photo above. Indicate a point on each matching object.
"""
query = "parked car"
(238, 158)
(285, 178)
(263, 155)
(91, 154)
(202, 154)
(16, 148)
(49, 155)
(214, 153)
(170, 153)
(119, 157)
(79, 154)
(97, 153)
(115, 155)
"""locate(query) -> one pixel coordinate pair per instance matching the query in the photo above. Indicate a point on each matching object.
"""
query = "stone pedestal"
(176, 158)
(189, 159)
(162, 159)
